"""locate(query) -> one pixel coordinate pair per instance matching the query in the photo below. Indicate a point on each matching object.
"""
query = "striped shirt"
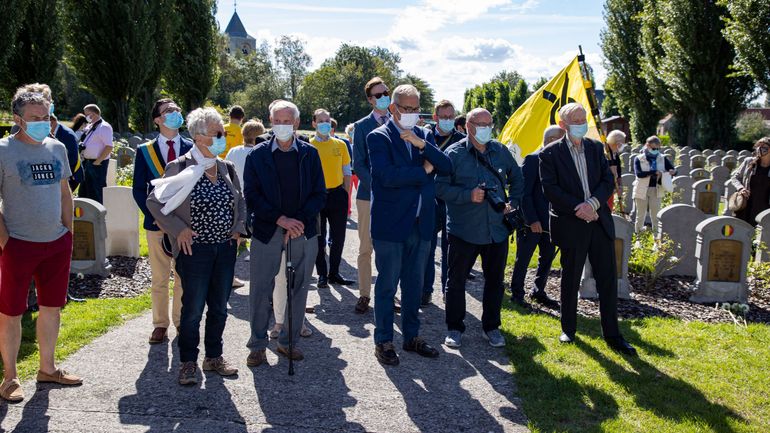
(579, 158)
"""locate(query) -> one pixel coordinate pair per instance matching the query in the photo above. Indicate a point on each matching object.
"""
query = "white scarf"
(173, 190)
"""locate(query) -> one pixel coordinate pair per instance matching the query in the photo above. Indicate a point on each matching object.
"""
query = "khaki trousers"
(162, 266)
(364, 248)
(652, 201)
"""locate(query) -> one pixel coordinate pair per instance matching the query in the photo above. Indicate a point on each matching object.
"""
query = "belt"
(333, 189)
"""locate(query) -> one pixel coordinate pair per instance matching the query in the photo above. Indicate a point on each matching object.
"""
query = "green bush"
(126, 176)
(651, 257)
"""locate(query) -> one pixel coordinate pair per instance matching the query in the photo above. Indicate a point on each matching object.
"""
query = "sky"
(452, 44)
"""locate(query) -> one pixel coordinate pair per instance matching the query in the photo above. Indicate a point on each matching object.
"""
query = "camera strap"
(484, 163)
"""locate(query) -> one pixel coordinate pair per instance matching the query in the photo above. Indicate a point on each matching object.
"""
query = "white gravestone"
(122, 222)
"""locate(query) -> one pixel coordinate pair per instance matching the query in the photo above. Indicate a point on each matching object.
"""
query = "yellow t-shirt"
(334, 154)
(233, 137)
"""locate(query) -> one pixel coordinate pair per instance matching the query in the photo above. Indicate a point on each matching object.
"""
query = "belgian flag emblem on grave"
(78, 212)
(727, 230)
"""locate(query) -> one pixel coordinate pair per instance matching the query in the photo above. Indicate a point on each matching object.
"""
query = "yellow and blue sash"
(154, 159)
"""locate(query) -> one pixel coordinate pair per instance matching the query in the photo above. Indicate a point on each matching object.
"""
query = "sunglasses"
(380, 95)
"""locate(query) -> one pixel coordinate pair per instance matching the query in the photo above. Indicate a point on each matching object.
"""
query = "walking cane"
(289, 289)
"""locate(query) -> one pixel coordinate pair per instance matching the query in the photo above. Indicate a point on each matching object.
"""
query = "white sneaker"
(453, 339)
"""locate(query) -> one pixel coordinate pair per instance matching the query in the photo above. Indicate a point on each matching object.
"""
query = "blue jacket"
(534, 205)
(70, 141)
(263, 192)
(361, 163)
(399, 181)
(145, 171)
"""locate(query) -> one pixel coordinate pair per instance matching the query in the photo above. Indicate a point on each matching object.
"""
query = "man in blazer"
(577, 182)
(534, 206)
(403, 161)
(150, 163)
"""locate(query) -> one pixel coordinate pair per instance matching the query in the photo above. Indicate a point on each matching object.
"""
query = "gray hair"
(652, 139)
(94, 108)
(198, 120)
(22, 98)
(283, 105)
(405, 90)
(568, 110)
(616, 137)
(552, 133)
(475, 112)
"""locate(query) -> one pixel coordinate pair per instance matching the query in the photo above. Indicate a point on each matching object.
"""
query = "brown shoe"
(11, 390)
(255, 359)
(188, 373)
(219, 365)
(362, 306)
(59, 376)
(158, 335)
(296, 354)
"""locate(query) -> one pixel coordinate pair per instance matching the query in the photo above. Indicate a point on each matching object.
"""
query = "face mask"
(38, 131)
(483, 134)
(218, 145)
(763, 151)
(90, 119)
(324, 128)
(653, 152)
(173, 120)
(383, 103)
(50, 109)
(283, 132)
(409, 120)
(446, 125)
(578, 131)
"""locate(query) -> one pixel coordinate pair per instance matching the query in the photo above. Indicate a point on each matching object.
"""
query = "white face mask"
(90, 119)
(409, 120)
(283, 132)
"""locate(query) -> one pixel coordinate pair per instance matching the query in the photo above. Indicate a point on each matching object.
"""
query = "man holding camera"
(477, 202)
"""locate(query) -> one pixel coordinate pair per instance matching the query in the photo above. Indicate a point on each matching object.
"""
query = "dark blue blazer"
(263, 192)
(564, 191)
(398, 182)
(534, 205)
(67, 137)
(361, 162)
(143, 175)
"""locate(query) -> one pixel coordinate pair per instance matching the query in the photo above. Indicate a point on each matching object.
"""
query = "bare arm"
(346, 181)
(67, 207)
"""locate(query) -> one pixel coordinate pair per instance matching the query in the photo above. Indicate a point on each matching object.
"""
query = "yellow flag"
(523, 133)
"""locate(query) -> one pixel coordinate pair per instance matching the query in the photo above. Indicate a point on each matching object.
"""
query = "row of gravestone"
(704, 194)
(688, 164)
(715, 250)
(133, 141)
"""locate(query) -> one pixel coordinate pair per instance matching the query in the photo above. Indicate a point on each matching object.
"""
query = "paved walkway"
(131, 386)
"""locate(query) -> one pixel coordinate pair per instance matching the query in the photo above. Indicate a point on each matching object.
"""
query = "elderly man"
(476, 199)
(150, 164)
(97, 143)
(534, 207)
(577, 182)
(285, 191)
(404, 160)
(334, 158)
(35, 238)
(378, 96)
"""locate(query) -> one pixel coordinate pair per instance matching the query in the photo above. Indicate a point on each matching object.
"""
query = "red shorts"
(47, 262)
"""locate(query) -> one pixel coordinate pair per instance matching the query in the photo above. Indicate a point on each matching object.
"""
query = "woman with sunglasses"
(752, 179)
(199, 203)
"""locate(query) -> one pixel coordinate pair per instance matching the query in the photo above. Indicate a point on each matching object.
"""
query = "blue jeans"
(95, 179)
(207, 276)
(396, 262)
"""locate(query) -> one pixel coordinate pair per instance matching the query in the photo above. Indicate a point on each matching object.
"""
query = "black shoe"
(542, 298)
(470, 277)
(567, 339)
(426, 297)
(337, 279)
(323, 283)
(521, 303)
(619, 344)
(418, 345)
(386, 353)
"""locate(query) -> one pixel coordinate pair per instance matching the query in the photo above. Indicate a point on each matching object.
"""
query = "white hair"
(475, 112)
(349, 129)
(405, 90)
(198, 120)
(552, 133)
(616, 137)
(570, 109)
(283, 105)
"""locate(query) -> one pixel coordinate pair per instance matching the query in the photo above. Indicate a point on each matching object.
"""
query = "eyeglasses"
(380, 95)
(483, 125)
(408, 109)
(218, 135)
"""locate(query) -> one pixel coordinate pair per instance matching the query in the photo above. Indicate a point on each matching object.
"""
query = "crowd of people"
(449, 184)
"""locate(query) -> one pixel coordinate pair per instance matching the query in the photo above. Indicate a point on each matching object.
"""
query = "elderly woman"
(752, 179)
(198, 202)
(615, 143)
(649, 166)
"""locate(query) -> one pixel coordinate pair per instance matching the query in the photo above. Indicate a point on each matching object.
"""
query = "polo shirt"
(334, 156)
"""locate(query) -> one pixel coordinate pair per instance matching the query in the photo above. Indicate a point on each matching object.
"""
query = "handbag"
(737, 201)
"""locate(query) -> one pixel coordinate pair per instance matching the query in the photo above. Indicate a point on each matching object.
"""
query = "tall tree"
(291, 57)
(194, 53)
(622, 47)
(427, 100)
(110, 52)
(748, 30)
(11, 19)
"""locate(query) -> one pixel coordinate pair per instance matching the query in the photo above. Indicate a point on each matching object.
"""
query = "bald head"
(552, 133)
(480, 114)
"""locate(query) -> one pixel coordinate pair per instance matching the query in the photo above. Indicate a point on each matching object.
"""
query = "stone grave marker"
(729, 190)
(682, 190)
(685, 163)
(714, 160)
(720, 175)
(704, 197)
(624, 230)
(89, 251)
(744, 152)
(112, 172)
(722, 251)
(763, 236)
(707, 152)
(626, 161)
(685, 149)
(151, 135)
(699, 174)
(135, 141)
(122, 222)
(693, 152)
(678, 223)
(627, 180)
(719, 152)
(126, 156)
(730, 161)
(697, 161)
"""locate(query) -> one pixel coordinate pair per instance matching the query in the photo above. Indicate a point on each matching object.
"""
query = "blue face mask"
(38, 131)
(578, 131)
(173, 120)
(446, 125)
(653, 152)
(218, 145)
(483, 134)
(383, 103)
(324, 128)
(50, 109)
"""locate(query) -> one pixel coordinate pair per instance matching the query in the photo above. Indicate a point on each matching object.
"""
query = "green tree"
(11, 20)
(542, 81)
(610, 105)
(194, 53)
(502, 104)
(291, 57)
(111, 54)
(751, 127)
(748, 30)
(427, 100)
(519, 94)
(490, 96)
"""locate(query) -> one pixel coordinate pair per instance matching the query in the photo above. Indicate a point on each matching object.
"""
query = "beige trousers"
(653, 201)
(364, 249)
(162, 266)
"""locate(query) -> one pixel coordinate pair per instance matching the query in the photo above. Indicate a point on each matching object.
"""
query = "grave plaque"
(722, 251)
(83, 247)
(704, 197)
(724, 260)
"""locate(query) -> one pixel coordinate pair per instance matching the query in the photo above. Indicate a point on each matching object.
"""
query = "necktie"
(171, 151)
(383, 119)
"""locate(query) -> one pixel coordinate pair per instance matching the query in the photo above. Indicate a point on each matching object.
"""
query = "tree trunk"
(691, 121)
(121, 113)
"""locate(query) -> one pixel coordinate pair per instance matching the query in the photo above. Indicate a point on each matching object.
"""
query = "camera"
(493, 198)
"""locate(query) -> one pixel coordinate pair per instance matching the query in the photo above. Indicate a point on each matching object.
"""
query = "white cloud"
(479, 49)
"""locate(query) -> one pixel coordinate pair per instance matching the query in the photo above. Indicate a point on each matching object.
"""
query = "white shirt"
(164, 146)
(238, 156)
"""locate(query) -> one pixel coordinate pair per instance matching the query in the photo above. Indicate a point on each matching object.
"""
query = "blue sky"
(451, 44)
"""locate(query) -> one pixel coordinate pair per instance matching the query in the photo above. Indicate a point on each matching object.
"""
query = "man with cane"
(284, 188)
